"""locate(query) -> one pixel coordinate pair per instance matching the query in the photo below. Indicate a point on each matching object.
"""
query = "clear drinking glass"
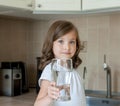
(61, 74)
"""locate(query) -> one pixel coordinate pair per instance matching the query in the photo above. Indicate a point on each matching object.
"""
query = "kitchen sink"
(100, 99)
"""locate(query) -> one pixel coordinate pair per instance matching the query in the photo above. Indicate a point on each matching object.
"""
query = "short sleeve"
(46, 74)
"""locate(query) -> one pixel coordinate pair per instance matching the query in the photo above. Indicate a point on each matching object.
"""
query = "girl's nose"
(66, 46)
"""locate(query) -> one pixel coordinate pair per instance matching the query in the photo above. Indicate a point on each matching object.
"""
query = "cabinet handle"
(30, 5)
(39, 5)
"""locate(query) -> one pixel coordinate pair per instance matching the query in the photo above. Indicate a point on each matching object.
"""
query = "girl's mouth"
(67, 53)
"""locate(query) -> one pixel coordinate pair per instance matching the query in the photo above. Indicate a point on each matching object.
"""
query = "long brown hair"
(57, 30)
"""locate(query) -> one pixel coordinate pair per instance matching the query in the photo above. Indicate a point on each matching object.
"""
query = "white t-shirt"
(76, 90)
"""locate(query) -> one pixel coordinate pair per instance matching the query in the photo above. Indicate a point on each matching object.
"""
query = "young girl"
(62, 42)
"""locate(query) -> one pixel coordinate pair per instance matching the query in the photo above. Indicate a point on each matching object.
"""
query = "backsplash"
(101, 32)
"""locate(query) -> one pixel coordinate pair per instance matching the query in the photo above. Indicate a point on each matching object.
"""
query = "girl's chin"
(66, 57)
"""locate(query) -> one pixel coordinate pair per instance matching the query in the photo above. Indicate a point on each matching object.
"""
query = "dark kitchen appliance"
(18, 65)
(39, 72)
(10, 82)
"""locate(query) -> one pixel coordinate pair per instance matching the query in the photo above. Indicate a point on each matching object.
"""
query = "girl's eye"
(72, 42)
(60, 41)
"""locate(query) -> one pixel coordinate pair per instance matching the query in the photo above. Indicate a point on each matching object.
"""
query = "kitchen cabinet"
(24, 4)
(100, 4)
(57, 5)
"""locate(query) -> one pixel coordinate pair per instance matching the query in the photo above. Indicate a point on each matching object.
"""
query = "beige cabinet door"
(100, 4)
(25, 4)
(57, 5)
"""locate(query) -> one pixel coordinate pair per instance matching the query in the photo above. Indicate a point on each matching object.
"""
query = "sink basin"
(100, 99)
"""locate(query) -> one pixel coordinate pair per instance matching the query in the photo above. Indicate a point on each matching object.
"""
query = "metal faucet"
(108, 78)
(84, 71)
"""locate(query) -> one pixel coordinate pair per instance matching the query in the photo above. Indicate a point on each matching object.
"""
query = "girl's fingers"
(53, 92)
(52, 84)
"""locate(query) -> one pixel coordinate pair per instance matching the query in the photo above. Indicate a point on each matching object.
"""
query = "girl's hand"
(53, 91)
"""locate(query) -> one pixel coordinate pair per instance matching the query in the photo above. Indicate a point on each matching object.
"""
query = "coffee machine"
(10, 82)
(13, 78)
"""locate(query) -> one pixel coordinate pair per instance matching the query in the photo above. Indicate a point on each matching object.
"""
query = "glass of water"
(61, 74)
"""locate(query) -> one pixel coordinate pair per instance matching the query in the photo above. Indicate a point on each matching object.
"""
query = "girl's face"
(65, 46)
